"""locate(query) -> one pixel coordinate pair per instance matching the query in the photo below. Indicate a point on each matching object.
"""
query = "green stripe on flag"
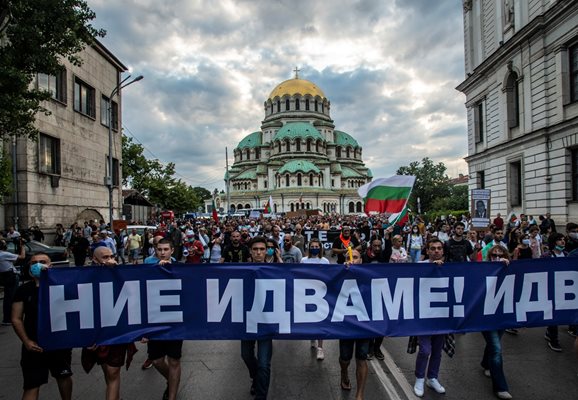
(389, 193)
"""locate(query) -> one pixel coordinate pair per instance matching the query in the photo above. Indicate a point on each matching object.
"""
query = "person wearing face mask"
(35, 362)
(523, 250)
(556, 244)
(273, 252)
(289, 253)
(415, 244)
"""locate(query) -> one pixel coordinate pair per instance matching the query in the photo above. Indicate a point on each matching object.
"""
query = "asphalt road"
(214, 370)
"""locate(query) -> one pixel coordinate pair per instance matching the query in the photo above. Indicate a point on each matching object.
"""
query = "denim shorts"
(346, 349)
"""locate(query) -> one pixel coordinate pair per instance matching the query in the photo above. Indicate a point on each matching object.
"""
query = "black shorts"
(159, 348)
(346, 349)
(35, 366)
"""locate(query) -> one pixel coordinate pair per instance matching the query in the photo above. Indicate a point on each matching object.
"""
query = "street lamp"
(108, 178)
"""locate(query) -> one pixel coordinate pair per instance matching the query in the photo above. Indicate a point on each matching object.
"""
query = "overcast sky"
(389, 68)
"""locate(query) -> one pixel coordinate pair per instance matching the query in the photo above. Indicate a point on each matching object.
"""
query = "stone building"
(61, 176)
(297, 157)
(521, 87)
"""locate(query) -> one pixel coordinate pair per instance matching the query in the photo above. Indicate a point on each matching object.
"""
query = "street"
(214, 369)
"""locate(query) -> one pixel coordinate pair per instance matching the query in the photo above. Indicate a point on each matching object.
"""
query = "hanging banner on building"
(82, 306)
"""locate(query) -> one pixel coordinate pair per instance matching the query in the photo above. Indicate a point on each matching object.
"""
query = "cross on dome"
(296, 70)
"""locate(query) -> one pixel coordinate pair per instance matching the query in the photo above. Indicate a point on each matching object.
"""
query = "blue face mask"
(36, 270)
(270, 251)
(314, 252)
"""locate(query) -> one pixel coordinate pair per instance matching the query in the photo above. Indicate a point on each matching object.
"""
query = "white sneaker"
(320, 353)
(435, 385)
(313, 344)
(504, 395)
(418, 387)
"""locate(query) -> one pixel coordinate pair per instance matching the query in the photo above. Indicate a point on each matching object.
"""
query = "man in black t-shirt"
(457, 248)
(343, 242)
(236, 252)
(35, 362)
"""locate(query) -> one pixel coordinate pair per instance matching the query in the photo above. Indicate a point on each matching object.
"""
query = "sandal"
(345, 384)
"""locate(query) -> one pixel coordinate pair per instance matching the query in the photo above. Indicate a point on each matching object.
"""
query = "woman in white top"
(398, 253)
(315, 256)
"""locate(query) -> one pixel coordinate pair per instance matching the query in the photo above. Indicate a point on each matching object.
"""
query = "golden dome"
(296, 86)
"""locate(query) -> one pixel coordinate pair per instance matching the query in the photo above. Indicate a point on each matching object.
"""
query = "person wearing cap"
(35, 362)
(343, 243)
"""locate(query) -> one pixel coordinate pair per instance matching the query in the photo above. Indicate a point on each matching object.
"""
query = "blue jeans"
(493, 360)
(259, 367)
(415, 255)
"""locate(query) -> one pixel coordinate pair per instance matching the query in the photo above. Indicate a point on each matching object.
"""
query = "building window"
(240, 155)
(104, 104)
(306, 104)
(278, 105)
(310, 179)
(287, 180)
(287, 145)
(316, 106)
(48, 154)
(84, 98)
(481, 177)
(257, 153)
(115, 171)
(248, 152)
(299, 180)
(347, 153)
(332, 182)
(515, 183)
(287, 108)
(317, 146)
(512, 100)
(574, 72)
(265, 184)
(358, 207)
(575, 174)
(55, 84)
(297, 104)
(479, 123)
(351, 207)
(338, 152)
(308, 144)
(298, 145)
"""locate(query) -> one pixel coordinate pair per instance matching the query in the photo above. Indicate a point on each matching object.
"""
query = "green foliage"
(431, 183)
(157, 181)
(202, 193)
(34, 36)
(456, 200)
(5, 173)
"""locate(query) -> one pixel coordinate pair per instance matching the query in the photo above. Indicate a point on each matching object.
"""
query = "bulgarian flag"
(387, 196)
(215, 215)
(269, 206)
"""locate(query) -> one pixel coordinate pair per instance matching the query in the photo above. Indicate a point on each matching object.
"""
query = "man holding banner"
(259, 367)
(166, 354)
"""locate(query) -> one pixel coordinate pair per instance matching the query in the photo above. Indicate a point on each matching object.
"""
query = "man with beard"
(235, 252)
(343, 242)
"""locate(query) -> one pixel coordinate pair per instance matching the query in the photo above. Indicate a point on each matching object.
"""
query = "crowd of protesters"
(355, 240)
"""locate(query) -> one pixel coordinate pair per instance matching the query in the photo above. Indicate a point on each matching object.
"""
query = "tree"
(431, 183)
(457, 200)
(34, 36)
(202, 193)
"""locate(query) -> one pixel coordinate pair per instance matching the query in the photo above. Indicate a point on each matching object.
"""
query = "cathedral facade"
(297, 158)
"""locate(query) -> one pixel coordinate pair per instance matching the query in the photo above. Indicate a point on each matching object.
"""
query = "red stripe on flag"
(384, 206)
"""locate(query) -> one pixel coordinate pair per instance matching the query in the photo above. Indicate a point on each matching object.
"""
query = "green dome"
(294, 130)
(351, 173)
(345, 139)
(251, 140)
(369, 173)
(247, 174)
(298, 165)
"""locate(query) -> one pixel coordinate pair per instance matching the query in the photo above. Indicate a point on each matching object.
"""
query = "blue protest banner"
(82, 306)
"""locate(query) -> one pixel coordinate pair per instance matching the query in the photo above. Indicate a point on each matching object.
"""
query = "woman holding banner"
(492, 363)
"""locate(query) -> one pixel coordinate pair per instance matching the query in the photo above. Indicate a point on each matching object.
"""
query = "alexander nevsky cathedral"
(297, 157)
